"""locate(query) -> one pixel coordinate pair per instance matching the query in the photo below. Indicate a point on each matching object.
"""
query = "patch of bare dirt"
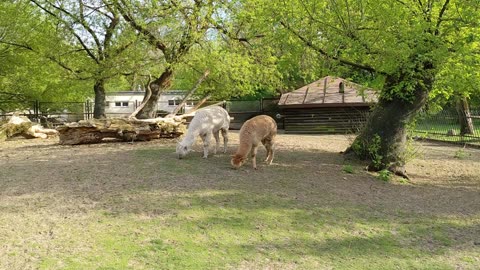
(445, 178)
(55, 189)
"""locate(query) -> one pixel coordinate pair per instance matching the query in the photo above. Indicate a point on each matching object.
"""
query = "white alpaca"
(206, 122)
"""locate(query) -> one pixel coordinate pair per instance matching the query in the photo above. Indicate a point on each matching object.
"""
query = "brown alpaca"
(260, 128)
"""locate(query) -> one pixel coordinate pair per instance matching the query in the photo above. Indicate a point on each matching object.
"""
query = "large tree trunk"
(382, 141)
(157, 86)
(466, 123)
(99, 108)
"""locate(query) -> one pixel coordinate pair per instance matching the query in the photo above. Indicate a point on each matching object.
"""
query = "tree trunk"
(466, 123)
(158, 86)
(146, 97)
(99, 108)
(382, 141)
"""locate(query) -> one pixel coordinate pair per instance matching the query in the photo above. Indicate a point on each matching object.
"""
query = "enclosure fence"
(52, 114)
(446, 125)
(449, 126)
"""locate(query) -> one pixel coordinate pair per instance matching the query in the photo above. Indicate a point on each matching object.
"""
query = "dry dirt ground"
(445, 178)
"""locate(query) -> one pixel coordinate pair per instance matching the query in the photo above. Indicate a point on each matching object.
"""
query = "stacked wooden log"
(96, 130)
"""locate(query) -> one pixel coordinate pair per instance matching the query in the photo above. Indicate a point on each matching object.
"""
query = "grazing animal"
(206, 122)
(261, 128)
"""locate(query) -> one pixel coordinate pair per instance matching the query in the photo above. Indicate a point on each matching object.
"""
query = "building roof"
(326, 92)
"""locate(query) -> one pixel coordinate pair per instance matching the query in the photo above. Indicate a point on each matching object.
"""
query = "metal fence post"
(37, 110)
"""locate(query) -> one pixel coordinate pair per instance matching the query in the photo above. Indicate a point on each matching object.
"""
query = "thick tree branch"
(152, 39)
(92, 33)
(324, 53)
(51, 58)
(81, 21)
(109, 33)
(27, 47)
(189, 94)
(199, 103)
(72, 31)
(99, 10)
(440, 16)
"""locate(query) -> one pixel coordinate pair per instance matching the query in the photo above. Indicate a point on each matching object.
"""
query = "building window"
(174, 102)
(121, 104)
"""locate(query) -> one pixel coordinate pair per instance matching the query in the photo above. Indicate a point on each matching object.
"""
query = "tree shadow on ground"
(310, 176)
(302, 205)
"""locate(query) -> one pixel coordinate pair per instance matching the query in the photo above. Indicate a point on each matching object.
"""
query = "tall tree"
(97, 39)
(170, 27)
(400, 44)
(26, 73)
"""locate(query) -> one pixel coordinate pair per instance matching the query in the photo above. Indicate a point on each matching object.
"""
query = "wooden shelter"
(329, 105)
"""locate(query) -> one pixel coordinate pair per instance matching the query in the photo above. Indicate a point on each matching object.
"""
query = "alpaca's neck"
(190, 137)
(244, 147)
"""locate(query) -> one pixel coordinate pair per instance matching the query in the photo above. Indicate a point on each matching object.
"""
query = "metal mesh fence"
(446, 126)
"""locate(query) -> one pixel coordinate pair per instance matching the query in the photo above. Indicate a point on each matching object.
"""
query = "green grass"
(212, 230)
(144, 209)
(348, 169)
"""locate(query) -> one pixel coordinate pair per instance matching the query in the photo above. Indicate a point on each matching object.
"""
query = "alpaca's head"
(237, 161)
(182, 150)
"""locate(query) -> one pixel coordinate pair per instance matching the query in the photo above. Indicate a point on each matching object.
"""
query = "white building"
(123, 103)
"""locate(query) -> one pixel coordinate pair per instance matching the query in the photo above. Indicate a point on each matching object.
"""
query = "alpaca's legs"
(206, 143)
(216, 134)
(225, 139)
(269, 145)
(253, 154)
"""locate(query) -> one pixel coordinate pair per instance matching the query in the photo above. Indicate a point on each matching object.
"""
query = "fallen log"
(22, 126)
(95, 130)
